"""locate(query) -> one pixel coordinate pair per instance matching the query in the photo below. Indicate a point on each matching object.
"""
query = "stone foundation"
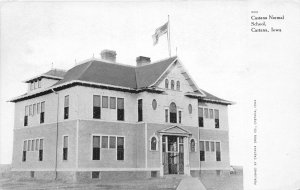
(204, 173)
(84, 175)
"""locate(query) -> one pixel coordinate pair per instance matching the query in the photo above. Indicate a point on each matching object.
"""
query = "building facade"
(102, 119)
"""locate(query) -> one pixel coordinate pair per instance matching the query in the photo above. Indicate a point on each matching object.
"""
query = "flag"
(159, 32)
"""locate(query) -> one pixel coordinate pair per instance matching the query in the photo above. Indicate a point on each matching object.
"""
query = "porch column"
(161, 170)
(186, 156)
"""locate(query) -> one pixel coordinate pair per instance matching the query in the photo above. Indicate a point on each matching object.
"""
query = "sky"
(213, 41)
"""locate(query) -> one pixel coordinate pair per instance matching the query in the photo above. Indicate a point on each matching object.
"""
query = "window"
(35, 84)
(172, 84)
(190, 108)
(153, 143)
(24, 151)
(95, 175)
(96, 107)
(217, 121)
(41, 150)
(207, 145)
(120, 109)
(164, 144)
(120, 148)
(96, 147)
(104, 142)
(200, 117)
(32, 145)
(211, 113)
(37, 144)
(218, 151)
(112, 103)
(65, 147)
(212, 146)
(179, 116)
(154, 104)
(112, 142)
(31, 86)
(104, 101)
(193, 145)
(166, 83)
(30, 110)
(173, 113)
(42, 114)
(140, 110)
(177, 85)
(29, 145)
(166, 115)
(206, 112)
(202, 152)
(66, 107)
(38, 108)
(39, 83)
(34, 109)
(26, 116)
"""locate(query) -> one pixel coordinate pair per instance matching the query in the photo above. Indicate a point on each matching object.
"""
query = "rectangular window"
(120, 109)
(200, 117)
(38, 108)
(26, 116)
(120, 148)
(41, 150)
(24, 151)
(29, 145)
(65, 147)
(212, 146)
(112, 103)
(104, 101)
(211, 113)
(39, 83)
(179, 116)
(32, 145)
(104, 142)
(96, 147)
(217, 121)
(218, 151)
(31, 86)
(202, 152)
(34, 109)
(66, 107)
(95, 175)
(112, 142)
(206, 112)
(166, 115)
(42, 114)
(96, 107)
(140, 110)
(207, 145)
(37, 144)
(35, 85)
(30, 110)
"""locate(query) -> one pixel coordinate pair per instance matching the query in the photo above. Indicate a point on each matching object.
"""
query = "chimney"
(108, 55)
(141, 61)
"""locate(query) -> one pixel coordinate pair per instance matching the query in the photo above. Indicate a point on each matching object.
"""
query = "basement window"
(95, 174)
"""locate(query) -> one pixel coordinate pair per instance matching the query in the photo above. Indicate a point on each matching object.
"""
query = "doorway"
(173, 154)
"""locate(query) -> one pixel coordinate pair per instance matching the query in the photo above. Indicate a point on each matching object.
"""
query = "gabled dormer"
(44, 80)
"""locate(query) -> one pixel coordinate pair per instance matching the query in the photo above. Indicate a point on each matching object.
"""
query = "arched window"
(153, 143)
(190, 108)
(173, 113)
(193, 145)
(154, 104)
(172, 84)
(166, 83)
(177, 85)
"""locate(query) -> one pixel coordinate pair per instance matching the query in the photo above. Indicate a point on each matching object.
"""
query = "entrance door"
(173, 157)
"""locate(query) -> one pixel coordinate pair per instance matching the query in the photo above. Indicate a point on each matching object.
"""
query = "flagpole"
(169, 33)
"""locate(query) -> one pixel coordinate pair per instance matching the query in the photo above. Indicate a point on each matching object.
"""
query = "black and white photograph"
(167, 95)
